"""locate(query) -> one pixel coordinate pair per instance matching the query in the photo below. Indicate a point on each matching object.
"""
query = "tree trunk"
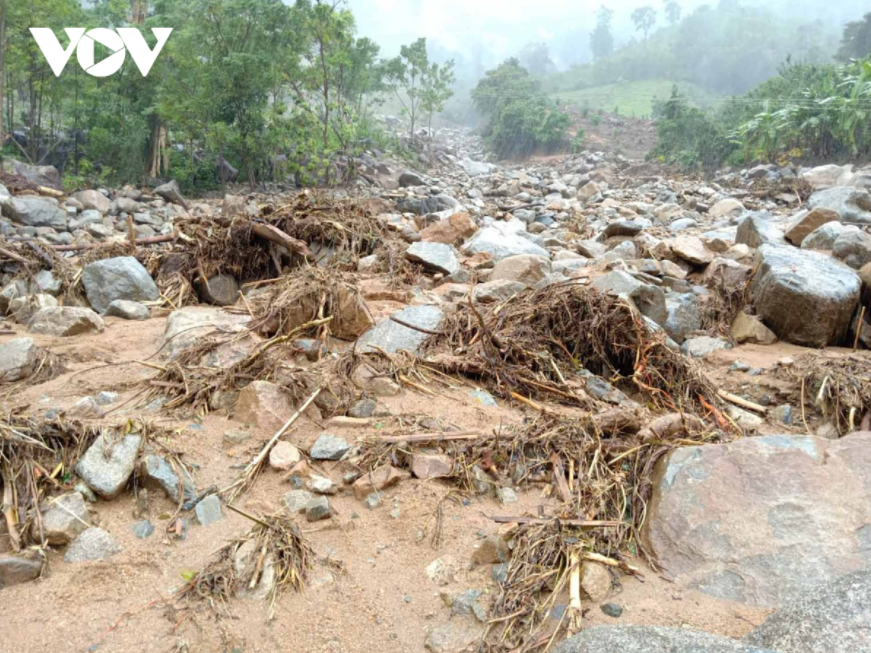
(157, 156)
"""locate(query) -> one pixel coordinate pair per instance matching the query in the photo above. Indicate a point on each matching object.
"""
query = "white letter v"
(51, 48)
(138, 48)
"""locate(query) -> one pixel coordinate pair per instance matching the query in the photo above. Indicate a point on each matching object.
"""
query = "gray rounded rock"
(122, 277)
(651, 639)
(93, 544)
(833, 618)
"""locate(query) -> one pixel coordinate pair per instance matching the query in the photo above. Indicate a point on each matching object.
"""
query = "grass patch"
(634, 98)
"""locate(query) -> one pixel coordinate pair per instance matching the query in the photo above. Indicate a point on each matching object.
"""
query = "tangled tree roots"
(534, 343)
(837, 388)
(603, 484)
(268, 560)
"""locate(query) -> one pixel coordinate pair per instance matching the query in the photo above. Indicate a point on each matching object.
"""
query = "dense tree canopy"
(239, 83)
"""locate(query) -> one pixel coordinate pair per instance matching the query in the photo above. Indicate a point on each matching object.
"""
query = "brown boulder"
(267, 405)
(449, 230)
(524, 268)
(799, 230)
(749, 328)
(351, 315)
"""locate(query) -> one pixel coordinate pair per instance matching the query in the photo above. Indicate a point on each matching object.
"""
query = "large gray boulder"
(392, 336)
(824, 236)
(171, 192)
(40, 175)
(756, 229)
(762, 520)
(792, 285)
(832, 618)
(651, 639)
(65, 321)
(853, 248)
(501, 242)
(436, 257)
(122, 277)
(93, 200)
(187, 327)
(827, 176)
(35, 212)
(852, 204)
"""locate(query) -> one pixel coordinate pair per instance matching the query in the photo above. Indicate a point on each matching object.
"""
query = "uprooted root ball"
(265, 562)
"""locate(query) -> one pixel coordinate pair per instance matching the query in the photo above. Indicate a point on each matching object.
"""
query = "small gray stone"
(142, 529)
(363, 408)
(329, 447)
(612, 610)
(506, 495)
(499, 573)
(92, 544)
(703, 346)
(221, 290)
(155, 471)
(106, 465)
(372, 500)
(484, 397)
(781, 414)
(318, 508)
(16, 569)
(66, 517)
(105, 398)
(296, 501)
(467, 604)
(322, 485)
(209, 510)
(18, 359)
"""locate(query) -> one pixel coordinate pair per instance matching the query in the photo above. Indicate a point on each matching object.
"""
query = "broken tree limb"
(559, 477)
(738, 401)
(15, 257)
(151, 240)
(580, 523)
(610, 562)
(433, 437)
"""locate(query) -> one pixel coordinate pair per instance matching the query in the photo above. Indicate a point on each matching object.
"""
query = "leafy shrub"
(522, 120)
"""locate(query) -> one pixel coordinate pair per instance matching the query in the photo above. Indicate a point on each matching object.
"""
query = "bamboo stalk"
(738, 401)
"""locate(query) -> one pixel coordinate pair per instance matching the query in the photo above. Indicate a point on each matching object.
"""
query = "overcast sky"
(505, 26)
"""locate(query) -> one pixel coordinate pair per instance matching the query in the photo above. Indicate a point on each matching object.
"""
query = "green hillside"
(633, 98)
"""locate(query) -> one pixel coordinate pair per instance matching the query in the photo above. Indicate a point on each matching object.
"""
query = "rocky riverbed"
(176, 371)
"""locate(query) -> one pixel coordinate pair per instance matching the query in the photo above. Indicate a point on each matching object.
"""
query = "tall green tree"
(405, 75)
(437, 90)
(601, 38)
(856, 41)
(644, 19)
